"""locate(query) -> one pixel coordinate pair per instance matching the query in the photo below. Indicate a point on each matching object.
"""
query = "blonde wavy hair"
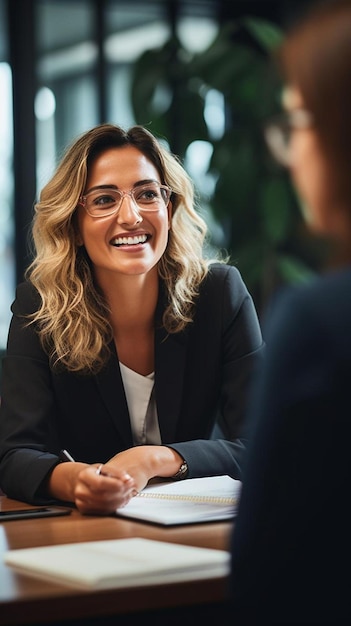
(73, 317)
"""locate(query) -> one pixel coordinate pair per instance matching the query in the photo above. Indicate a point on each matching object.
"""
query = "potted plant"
(253, 200)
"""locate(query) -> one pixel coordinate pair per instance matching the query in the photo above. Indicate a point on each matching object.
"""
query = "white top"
(141, 402)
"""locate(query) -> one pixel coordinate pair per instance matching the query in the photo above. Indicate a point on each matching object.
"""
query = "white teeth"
(130, 241)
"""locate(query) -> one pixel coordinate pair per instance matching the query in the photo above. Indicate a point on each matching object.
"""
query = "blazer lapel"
(111, 388)
(170, 353)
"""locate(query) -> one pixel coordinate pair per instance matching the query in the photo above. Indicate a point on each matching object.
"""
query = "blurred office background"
(197, 72)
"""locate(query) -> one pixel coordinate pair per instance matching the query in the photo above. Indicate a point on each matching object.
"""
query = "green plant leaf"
(148, 76)
(275, 209)
(267, 34)
(294, 270)
(219, 70)
(220, 49)
(234, 160)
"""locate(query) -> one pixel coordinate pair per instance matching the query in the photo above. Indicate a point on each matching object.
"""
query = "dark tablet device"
(42, 511)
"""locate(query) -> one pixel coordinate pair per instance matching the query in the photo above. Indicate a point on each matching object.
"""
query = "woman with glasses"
(291, 544)
(127, 347)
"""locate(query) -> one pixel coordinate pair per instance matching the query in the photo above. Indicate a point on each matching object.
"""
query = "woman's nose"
(128, 212)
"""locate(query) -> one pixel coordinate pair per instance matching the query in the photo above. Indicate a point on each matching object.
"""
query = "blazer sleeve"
(25, 428)
(241, 351)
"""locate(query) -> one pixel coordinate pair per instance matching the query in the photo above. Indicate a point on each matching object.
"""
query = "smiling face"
(131, 241)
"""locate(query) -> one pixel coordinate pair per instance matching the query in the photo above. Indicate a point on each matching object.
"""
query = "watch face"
(181, 473)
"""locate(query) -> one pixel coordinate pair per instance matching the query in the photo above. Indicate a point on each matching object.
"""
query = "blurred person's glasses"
(106, 201)
(278, 132)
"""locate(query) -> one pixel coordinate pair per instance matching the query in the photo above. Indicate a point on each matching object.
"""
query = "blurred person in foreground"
(291, 542)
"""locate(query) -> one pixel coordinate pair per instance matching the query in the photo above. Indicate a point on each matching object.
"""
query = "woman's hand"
(88, 486)
(101, 489)
(144, 463)
(99, 492)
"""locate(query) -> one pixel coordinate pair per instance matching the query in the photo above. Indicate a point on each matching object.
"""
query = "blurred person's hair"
(316, 59)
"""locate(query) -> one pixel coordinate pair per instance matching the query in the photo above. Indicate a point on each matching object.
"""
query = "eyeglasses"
(279, 130)
(105, 201)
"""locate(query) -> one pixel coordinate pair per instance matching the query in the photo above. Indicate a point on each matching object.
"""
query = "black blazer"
(201, 376)
(291, 544)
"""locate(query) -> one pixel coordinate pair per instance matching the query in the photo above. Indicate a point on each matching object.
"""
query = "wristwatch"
(182, 472)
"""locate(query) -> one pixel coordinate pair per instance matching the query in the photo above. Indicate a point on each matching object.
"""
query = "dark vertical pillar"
(21, 24)
(175, 79)
(101, 64)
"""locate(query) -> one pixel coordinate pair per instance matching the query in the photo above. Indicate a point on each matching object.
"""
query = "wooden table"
(27, 600)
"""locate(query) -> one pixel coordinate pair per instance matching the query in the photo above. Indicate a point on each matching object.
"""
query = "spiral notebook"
(190, 501)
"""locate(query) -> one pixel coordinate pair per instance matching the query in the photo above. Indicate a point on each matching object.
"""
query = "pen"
(99, 472)
(66, 456)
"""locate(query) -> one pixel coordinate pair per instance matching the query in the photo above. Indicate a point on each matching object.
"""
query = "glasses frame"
(278, 130)
(123, 194)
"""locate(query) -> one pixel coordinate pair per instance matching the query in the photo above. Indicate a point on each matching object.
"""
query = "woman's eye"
(103, 200)
(147, 196)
